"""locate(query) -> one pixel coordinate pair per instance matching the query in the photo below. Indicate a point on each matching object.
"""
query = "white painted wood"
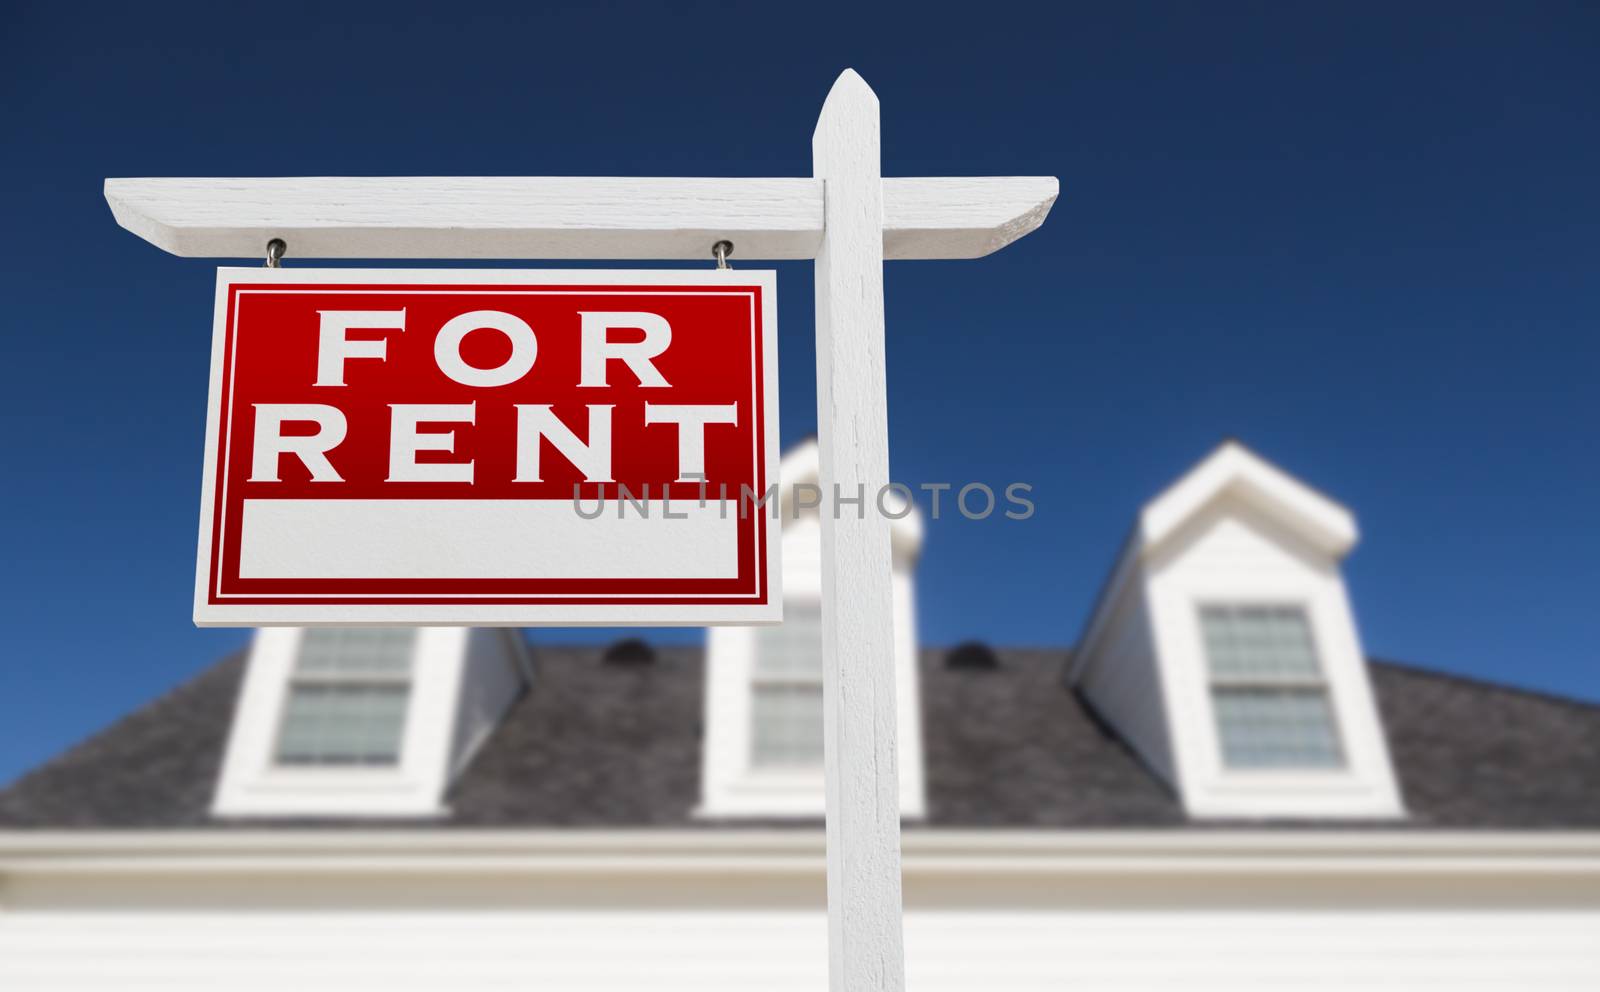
(731, 910)
(562, 217)
(960, 217)
(608, 949)
(496, 671)
(472, 217)
(859, 710)
(1449, 856)
(1121, 677)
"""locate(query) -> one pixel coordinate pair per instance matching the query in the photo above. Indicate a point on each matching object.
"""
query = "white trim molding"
(732, 909)
(1443, 854)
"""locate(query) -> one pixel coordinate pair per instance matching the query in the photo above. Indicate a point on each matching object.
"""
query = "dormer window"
(347, 698)
(1267, 689)
(763, 752)
(1225, 652)
(786, 691)
(364, 722)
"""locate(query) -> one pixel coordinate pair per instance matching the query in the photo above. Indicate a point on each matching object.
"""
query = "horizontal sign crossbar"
(556, 217)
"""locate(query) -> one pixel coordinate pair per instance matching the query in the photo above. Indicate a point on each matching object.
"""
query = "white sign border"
(208, 614)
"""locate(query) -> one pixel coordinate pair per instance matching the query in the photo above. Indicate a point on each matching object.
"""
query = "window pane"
(1258, 643)
(362, 651)
(343, 724)
(787, 726)
(786, 705)
(792, 648)
(347, 698)
(1276, 728)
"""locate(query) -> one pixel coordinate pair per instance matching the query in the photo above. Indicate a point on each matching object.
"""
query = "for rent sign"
(414, 446)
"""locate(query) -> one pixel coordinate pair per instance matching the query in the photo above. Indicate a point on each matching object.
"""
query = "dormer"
(364, 722)
(763, 745)
(1224, 651)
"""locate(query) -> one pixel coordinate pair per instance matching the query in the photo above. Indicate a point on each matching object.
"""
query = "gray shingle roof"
(156, 767)
(1473, 754)
(600, 744)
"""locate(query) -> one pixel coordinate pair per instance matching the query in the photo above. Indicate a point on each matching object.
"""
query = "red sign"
(491, 447)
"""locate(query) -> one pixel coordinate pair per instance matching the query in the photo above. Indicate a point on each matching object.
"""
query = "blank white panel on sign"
(485, 539)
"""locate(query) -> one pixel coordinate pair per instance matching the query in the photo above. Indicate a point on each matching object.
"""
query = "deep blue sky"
(1363, 238)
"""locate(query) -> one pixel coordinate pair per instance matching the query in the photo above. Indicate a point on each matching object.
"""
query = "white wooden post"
(858, 673)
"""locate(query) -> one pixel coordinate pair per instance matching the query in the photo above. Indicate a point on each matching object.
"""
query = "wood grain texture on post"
(865, 950)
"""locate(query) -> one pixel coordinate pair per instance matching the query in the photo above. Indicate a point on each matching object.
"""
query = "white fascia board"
(1233, 470)
(925, 851)
(1236, 470)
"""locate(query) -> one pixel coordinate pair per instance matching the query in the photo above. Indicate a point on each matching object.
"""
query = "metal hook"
(275, 249)
(720, 251)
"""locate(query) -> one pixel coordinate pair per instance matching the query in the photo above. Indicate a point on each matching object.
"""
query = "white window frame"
(735, 786)
(253, 784)
(1317, 683)
(1363, 788)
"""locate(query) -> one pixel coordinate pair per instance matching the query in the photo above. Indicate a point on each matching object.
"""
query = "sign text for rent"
(407, 446)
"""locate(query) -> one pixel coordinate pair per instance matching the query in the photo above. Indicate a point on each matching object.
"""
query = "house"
(1216, 788)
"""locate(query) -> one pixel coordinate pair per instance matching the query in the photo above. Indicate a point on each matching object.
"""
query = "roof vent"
(973, 655)
(630, 651)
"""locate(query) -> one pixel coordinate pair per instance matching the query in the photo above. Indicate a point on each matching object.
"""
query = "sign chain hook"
(720, 251)
(275, 249)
